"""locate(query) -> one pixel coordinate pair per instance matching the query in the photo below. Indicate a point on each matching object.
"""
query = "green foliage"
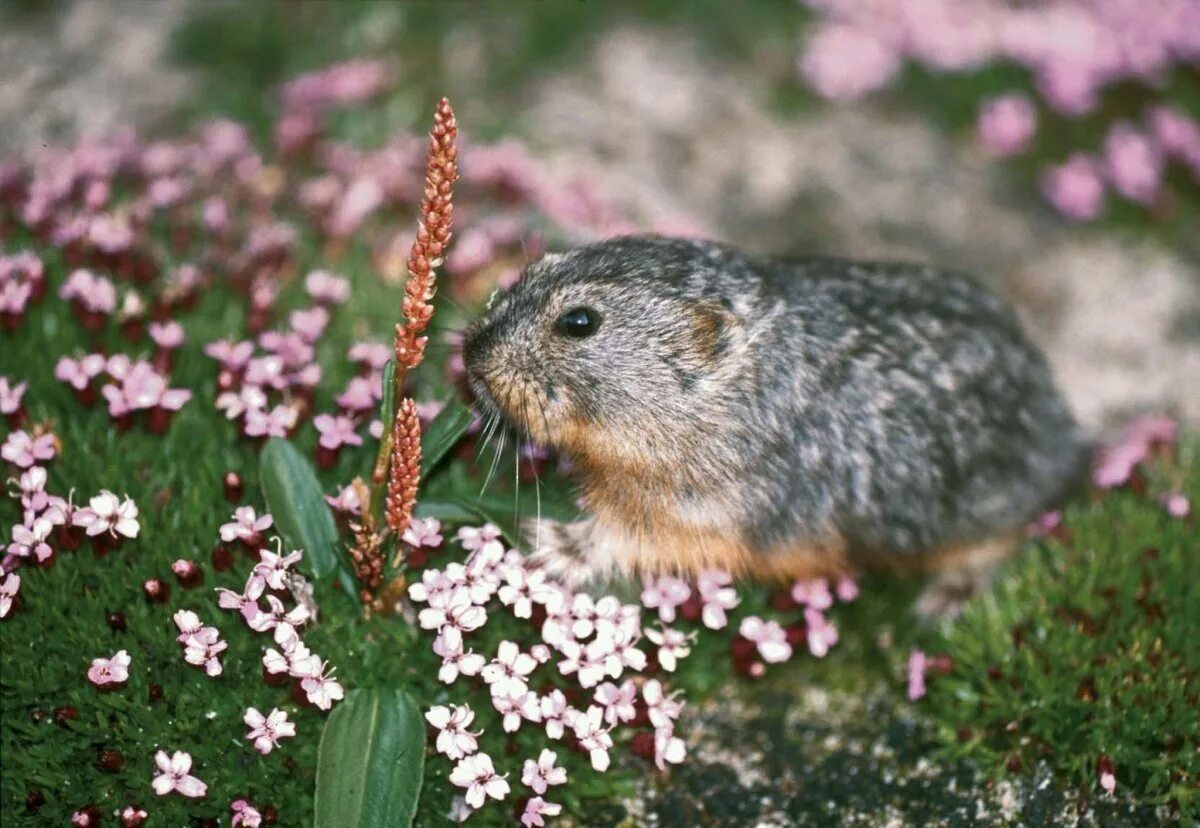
(371, 761)
(1089, 648)
(294, 498)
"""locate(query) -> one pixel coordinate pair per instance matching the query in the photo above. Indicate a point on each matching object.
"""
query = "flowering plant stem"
(397, 468)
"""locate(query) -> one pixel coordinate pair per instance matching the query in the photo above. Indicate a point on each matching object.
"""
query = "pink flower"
(846, 589)
(477, 774)
(360, 395)
(844, 63)
(9, 588)
(423, 532)
(79, 373)
(322, 689)
(346, 501)
(1007, 124)
(266, 731)
(1176, 504)
(107, 513)
(540, 775)
(275, 423)
(23, 450)
(1075, 188)
(1133, 162)
(822, 634)
(1177, 134)
(374, 355)
(167, 335)
(336, 431)
(106, 671)
(296, 660)
(717, 596)
(272, 567)
(143, 388)
(473, 538)
(768, 637)
(246, 526)
(814, 593)
(666, 593)
(327, 288)
(309, 323)
(203, 649)
(94, 293)
(245, 815)
(917, 664)
(454, 739)
(132, 817)
(31, 539)
(10, 396)
(535, 809)
(175, 775)
(1107, 772)
(233, 356)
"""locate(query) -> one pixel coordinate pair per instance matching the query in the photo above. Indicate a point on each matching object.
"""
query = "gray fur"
(899, 405)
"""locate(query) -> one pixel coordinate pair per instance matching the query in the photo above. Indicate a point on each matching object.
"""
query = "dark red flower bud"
(233, 487)
(116, 621)
(110, 760)
(157, 591)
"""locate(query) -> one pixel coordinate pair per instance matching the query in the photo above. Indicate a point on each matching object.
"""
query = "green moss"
(1089, 647)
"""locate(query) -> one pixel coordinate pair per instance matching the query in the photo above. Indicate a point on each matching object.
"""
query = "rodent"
(771, 417)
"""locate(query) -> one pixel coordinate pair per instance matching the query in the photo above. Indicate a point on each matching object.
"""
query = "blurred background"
(1053, 149)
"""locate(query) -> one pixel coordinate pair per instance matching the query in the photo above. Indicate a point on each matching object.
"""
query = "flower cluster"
(129, 386)
(270, 581)
(1074, 51)
(588, 678)
(1118, 464)
(22, 282)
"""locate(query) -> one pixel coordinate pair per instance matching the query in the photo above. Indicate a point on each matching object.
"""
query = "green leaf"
(370, 761)
(443, 433)
(294, 498)
(387, 406)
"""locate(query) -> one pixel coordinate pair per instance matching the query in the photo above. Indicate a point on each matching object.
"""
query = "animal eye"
(578, 323)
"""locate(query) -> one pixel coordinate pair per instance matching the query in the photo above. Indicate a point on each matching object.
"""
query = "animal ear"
(711, 323)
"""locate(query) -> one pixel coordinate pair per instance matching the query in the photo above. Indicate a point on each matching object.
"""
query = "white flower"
(769, 637)
(452, 723)
(455, 661)
(618, 702)
(506, 673)
(477, 774)
(668, 747)
(717, 597)
(514, 708)
(543, 773)
(518, 589)
(593, 737)
(672, 644)
(553, 710)
(662, 709)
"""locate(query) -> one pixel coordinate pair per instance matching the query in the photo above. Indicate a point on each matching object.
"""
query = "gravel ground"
(84, 68)
(671, 132)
